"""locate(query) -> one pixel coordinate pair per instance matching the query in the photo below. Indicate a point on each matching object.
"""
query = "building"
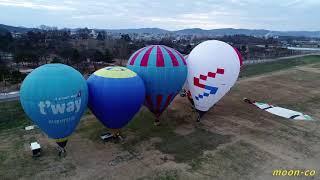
(7, 57)
(93, 34)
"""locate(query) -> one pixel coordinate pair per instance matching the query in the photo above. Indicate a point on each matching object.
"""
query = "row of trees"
(35, 47)
(40, 46)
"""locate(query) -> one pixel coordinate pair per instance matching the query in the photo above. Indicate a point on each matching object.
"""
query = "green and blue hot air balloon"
(54, 96)
(115, 96)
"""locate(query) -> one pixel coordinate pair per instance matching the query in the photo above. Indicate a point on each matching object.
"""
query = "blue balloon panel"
(115, 95)
(163, 71)
(54, 96)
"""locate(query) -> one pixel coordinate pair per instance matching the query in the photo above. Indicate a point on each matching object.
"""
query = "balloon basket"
(62, 152)
(35, 149)
(248, 101)
(157, 122)
(182, 93)
(200, 114)
(110, 137)
(198, 118)
(105, 137)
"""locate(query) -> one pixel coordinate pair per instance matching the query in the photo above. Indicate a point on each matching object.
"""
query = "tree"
(66, 54)
(42, 53)
(18, 57)
(26, 56)
(84, 33)
(122, 50)
(167, 42)
(56, 60)
(108, 57)
(126, 37)
(5, 40)
(35, 37)
(4, 70)
(187, 49)
(100, 36)
(34, 58)
(75, 56)
(98, 56)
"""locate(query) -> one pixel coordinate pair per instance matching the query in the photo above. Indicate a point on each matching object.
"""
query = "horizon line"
(60, 28)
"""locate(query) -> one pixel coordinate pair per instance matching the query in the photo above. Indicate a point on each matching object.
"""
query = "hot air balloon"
(185, 87)
(213, 68)
(115, 96)
(163, 71)
(239, 56)
(186, 93)
(54, 96)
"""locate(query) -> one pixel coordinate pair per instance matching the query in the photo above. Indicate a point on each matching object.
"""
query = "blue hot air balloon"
(115, 96)
(163, 71)
(54, 96)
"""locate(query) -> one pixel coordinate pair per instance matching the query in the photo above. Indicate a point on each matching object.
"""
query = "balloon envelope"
(54, 96)
(163, 71)
(186, 86)
(213, 68)
(239, 56)
(115, 95)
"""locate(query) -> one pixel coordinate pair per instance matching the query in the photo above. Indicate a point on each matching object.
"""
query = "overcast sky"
(166, 14)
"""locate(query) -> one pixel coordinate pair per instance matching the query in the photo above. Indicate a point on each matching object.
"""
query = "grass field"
(257, 69)
(12, 116)
(234, 140)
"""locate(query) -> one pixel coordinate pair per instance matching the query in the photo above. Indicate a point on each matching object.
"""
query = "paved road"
(12, 96)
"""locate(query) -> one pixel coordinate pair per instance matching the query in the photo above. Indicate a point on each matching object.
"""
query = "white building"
(93, 34)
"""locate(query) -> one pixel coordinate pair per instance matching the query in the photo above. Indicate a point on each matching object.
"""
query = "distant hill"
(193, 31)
(139, 31)
(220, 32)
(224, 31)
(297, 33)
(249, 32)
(15, 29)
(3, 31)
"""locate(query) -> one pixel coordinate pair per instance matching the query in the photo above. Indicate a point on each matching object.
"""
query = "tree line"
(78, 48)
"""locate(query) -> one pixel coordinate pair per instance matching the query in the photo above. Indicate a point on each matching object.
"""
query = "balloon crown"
(115, 72)
(157, 56)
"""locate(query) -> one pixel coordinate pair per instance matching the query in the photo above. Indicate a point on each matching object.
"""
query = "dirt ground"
(234, 140)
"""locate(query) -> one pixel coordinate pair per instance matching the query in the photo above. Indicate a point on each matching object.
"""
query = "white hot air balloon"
(213, 68)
